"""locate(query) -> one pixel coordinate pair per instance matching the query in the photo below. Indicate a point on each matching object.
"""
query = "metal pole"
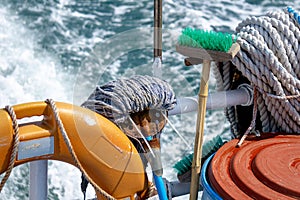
(38, 180)
(158, 28)
(157, 57)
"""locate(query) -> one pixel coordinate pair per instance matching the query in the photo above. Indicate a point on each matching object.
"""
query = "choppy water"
(61, 49)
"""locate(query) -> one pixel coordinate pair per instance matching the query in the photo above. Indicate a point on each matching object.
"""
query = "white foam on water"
(27, 74)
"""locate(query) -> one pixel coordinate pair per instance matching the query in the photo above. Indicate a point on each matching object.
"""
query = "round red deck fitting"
(259, 169)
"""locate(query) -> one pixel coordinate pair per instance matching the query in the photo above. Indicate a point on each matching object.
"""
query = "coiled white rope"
(270, 60)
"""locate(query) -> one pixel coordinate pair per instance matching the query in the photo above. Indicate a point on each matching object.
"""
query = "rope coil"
(269, 59)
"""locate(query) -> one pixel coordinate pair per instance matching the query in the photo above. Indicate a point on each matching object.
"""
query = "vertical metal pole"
(38, 180)
(157, 57)
(158, 28)
(196, 164)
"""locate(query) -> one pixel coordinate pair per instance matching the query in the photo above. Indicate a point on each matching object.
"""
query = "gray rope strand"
(252, 125)
(229, 111)
(16, 141)
(71, 150)
(222, 74)
(218, 77)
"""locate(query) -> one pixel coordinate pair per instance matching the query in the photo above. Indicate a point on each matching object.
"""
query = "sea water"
(61, 49)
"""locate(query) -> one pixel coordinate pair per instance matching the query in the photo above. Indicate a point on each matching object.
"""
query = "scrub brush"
(209, 40)
(203, 45)
(183, 166)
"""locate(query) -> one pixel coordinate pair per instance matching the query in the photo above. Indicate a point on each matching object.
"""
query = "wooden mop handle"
(196, 165)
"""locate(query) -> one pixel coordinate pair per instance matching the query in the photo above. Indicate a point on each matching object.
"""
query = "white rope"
(16, 141)
(72, 152)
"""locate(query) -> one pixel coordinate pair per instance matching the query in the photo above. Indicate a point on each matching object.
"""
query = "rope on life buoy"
(16, 142)
(73, 154)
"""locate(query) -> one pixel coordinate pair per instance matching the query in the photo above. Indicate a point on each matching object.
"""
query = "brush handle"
(196, 164)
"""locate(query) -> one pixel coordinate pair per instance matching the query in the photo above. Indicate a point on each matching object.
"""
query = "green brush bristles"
(209, 40)
(209, 148)
(184, 164)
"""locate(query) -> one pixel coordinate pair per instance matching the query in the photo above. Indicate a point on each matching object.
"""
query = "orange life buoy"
(104, 151)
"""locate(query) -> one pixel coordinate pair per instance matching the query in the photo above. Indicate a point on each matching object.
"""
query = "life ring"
(104, 151)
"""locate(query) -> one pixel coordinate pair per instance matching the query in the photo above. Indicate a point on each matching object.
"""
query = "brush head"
(184, 164)
(209, 40)
(209, 148)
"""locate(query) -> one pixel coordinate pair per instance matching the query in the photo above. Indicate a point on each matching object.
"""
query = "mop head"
(116, 100)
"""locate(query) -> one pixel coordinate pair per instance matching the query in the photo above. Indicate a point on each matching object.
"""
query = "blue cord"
(294, 13)
(160, 186)
(149, 138)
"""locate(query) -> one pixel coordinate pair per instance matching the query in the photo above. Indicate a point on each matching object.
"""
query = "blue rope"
(294, 13)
